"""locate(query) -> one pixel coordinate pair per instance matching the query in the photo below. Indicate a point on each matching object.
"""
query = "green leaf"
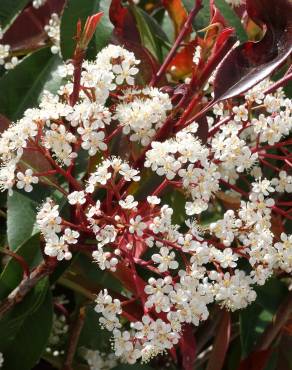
(255, 318)
(21, 215)
(103, 31)
(203, 17)
(150, 32)
(270, 295)
(12, 273)
(31, 339)
(232, 18)
(84, 277)
(12, 321)
(176, 200)
(249, 318)
(23, 84)
(92, 332)
(75, 10)
(9, 9)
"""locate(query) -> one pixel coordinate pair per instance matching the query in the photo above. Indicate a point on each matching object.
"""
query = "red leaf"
(182, 64)
(89, 28)
(131, 280)
(221, 343)
(27, 31)
(124, 22)
(148, 66)
(187, 345)
(251, 62)
(216, 16)
(176, 12)
(255, 361)
(4, 123)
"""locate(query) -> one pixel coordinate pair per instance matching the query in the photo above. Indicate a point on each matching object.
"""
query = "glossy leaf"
(25, 82)
(203, 17)
(92, 332)
(4, 123)
(251, 62)
(257, 361)
(26, 349)
(75, 10)
(232, 19)
(21, 216)
(11, 323)
(9, 10)
(124, 23)
(177, 13)
(255, 318)
(221, 343)
(13, 273)
(182, 64)
(147, 32)
(25, 34)
(188, 347)
(84, 275)
(103, 31)
(249, 319)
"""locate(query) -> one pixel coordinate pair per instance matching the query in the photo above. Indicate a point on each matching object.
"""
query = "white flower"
(71, 236)
(53, 31)
(38, 3)
(109, 308)
(226, 258)
(98, 360)
(100, 176)
(94, 210)
(165, 260)
(57, 247)
(197, 55)
(283, 183)
(4, 53)
(128, 173)
(124, 71)
(11, 63)
(153, 200)
(137, 226)
(241, 113)
(24, 180)
(1, 359)
(263, 186)
(284, 249)
(106, 235)
(128, 203)
(48, 218)
(104, 260)
(94, 142)
(122, 342)
(77, 197)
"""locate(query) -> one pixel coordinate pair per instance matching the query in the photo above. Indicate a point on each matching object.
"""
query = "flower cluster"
(128, 228)
(98, 360)
(50, 224)
(5, 60)
(38, 3)
(52, 29)
(59, 330)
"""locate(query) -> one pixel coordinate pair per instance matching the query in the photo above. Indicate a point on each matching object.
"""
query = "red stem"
(19, 259)
(184, 31)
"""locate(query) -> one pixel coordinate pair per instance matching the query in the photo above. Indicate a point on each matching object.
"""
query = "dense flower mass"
(191, 265)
